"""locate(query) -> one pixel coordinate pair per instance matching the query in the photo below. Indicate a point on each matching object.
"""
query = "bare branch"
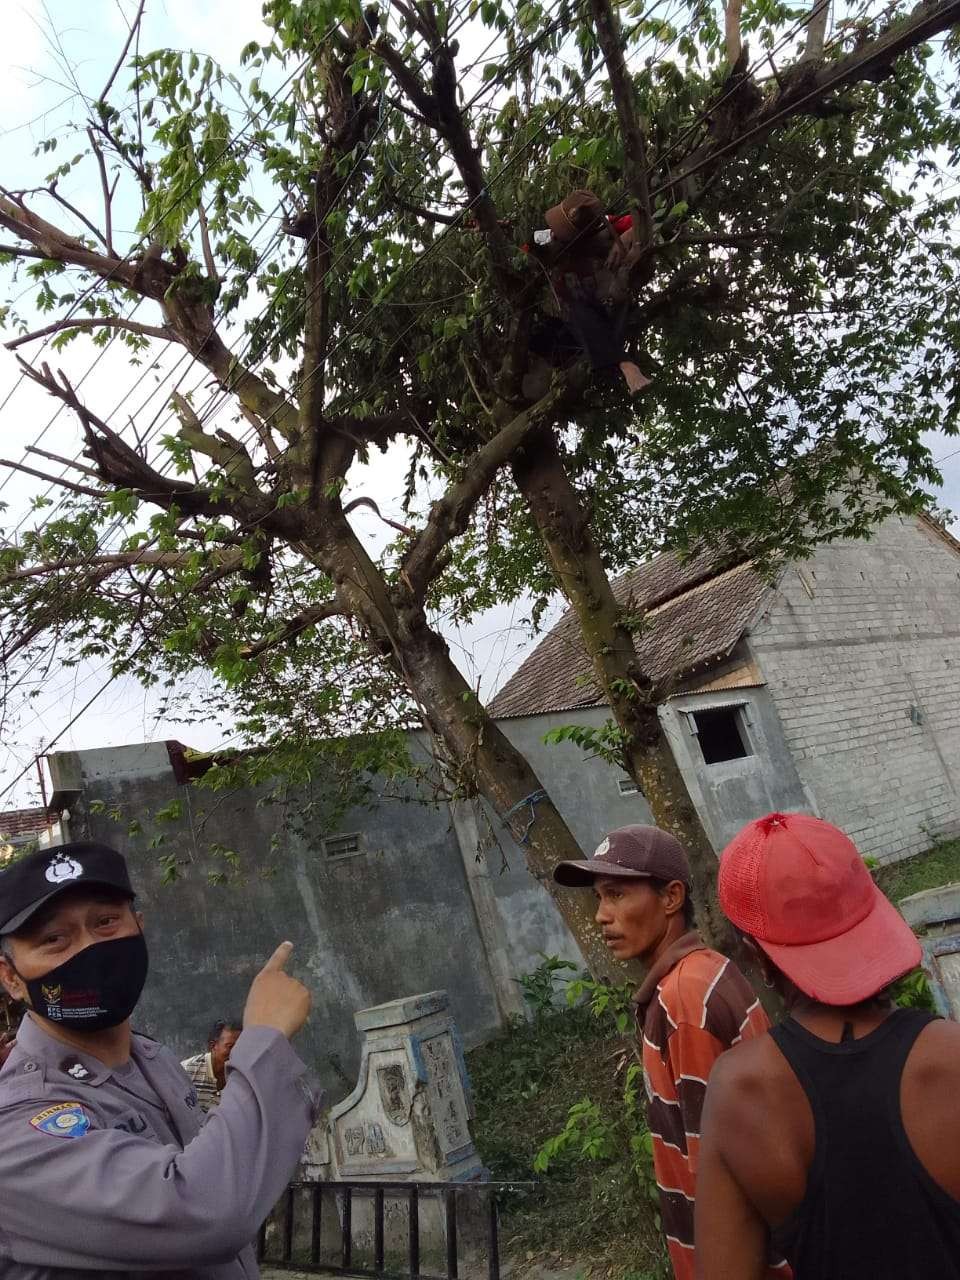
(134, 28)
(429, 215)
(263, 431)
(85, 489)
(107, 193)
(64, 462)
(21, 251)
(115, 561)
(300, 622)
(208, 258)
(95, 322)
(369, 502)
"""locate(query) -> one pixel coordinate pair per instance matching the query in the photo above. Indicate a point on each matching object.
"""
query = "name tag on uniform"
(62, 1120)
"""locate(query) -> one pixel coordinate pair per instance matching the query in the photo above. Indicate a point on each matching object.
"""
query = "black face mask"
(97, 988)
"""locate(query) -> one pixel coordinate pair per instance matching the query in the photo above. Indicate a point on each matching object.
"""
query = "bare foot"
(634, 379)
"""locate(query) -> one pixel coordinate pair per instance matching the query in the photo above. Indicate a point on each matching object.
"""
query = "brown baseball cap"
(638, 852)
(579, 212)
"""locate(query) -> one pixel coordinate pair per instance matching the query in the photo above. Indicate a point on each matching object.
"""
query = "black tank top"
(871, 1211)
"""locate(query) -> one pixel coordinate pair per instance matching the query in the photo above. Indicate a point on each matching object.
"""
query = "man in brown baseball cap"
(693, 1004)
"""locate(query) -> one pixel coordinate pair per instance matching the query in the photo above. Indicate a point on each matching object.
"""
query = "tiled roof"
(696, 611)
(24, 822)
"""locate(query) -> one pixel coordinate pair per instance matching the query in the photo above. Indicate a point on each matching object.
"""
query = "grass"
(939, 865)
(587, 1215)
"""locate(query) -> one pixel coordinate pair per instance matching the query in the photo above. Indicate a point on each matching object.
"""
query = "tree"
(789, 285)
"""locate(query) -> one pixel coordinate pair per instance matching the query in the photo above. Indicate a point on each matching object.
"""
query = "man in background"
(208, 1071)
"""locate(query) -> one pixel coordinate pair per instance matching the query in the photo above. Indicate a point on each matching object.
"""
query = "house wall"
(849, 642)
(731, 793)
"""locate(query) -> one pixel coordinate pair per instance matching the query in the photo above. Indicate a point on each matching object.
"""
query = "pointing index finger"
(279, 958)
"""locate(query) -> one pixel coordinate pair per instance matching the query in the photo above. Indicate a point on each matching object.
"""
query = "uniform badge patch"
(62, 1120)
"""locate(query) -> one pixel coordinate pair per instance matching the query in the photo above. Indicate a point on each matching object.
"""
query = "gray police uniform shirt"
(116, 1170)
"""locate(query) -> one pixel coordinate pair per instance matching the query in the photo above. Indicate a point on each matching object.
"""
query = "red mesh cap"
(635, 851)
(799, 887)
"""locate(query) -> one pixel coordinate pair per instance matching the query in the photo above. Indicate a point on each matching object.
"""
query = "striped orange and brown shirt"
(694, 1005)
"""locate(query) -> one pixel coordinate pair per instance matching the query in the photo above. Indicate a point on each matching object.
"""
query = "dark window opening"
(341, 846)
(721, 735)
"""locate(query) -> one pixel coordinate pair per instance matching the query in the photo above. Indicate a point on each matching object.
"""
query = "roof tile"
(697, 610)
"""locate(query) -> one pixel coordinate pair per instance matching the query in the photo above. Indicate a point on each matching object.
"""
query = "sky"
(35, 97)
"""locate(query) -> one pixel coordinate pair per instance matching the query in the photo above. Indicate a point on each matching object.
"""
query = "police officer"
(104, 1165)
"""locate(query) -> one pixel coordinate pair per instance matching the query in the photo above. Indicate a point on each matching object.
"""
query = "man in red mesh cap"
(693, 1004)
(836, 1136)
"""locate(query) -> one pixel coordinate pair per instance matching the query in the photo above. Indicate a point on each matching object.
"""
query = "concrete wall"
(394, 920)
(856, 644)
(428, 903)
(587, 793)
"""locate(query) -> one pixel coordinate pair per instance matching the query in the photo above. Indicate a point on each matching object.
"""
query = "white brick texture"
(879, 635)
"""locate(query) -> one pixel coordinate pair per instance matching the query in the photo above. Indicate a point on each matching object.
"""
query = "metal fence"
(407, 1230)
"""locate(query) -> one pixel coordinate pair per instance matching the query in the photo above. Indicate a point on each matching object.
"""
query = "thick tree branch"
(441, 108)
(223, 449)
(293, 627)
(636, 170)
(816, 31)
(88, 325)
(804, 90)
(450, 515)
(57, 245)
(733, 40)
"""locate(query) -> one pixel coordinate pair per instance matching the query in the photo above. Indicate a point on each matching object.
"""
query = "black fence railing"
(400, 1230)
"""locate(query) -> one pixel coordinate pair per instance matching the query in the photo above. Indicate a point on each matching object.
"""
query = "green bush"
(587, 1201)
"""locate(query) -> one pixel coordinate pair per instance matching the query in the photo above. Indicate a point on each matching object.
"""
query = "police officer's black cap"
(31, 882)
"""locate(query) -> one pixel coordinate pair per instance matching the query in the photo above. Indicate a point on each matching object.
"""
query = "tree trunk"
(564, 529)
(480, 752)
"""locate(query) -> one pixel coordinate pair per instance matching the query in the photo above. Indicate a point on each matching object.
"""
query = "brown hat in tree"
(577, 214)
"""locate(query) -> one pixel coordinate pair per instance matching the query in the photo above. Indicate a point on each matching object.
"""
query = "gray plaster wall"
(731, 793)
(394, 920)
(851, 643)
(586, 791)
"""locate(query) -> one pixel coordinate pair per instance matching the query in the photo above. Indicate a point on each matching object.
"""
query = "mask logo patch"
(62, 1120)
(62, 868)
(52, 994)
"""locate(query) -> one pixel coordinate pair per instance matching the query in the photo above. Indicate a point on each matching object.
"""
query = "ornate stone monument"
(935, 916)
(408, 1119)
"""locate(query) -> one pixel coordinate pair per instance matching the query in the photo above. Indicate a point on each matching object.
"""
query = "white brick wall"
(880, 633)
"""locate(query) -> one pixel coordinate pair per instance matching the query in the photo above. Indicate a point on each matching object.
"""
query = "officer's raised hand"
(275, 999)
